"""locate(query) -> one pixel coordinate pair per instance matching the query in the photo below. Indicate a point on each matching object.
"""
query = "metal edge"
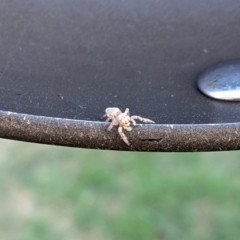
(143, 137)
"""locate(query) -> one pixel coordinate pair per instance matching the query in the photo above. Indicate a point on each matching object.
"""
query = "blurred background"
(49, 192)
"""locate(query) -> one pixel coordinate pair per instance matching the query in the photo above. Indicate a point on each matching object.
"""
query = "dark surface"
(63, 62)
(72, 59)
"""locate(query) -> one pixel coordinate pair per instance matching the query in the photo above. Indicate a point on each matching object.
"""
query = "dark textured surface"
(72, 59)
(87, 134)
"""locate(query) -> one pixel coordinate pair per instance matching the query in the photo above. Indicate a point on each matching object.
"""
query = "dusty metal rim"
(94, 135)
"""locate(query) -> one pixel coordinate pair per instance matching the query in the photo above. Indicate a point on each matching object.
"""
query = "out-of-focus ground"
(49, 193)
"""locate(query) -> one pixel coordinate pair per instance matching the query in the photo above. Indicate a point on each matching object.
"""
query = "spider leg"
(145, 120)
(113, 123)
(108, 119)
(104, 116)
(110, 126)
(128, 129)
(122, 135)
(126, 111)
(133, 121)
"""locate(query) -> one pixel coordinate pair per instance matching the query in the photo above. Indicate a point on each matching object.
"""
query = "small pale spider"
(122, 120)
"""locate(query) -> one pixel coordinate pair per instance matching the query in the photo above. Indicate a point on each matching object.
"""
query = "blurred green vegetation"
(49, 192)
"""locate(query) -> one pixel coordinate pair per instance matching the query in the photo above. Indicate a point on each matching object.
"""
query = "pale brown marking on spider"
(123, 120)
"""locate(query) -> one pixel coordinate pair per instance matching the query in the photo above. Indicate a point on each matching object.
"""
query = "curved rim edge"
(143, 137)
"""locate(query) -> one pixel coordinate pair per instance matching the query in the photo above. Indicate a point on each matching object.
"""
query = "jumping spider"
(122, 120)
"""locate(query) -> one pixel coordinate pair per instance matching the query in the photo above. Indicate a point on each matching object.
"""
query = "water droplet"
(221, 81)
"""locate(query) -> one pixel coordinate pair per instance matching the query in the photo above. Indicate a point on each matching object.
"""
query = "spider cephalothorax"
(123, 120)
